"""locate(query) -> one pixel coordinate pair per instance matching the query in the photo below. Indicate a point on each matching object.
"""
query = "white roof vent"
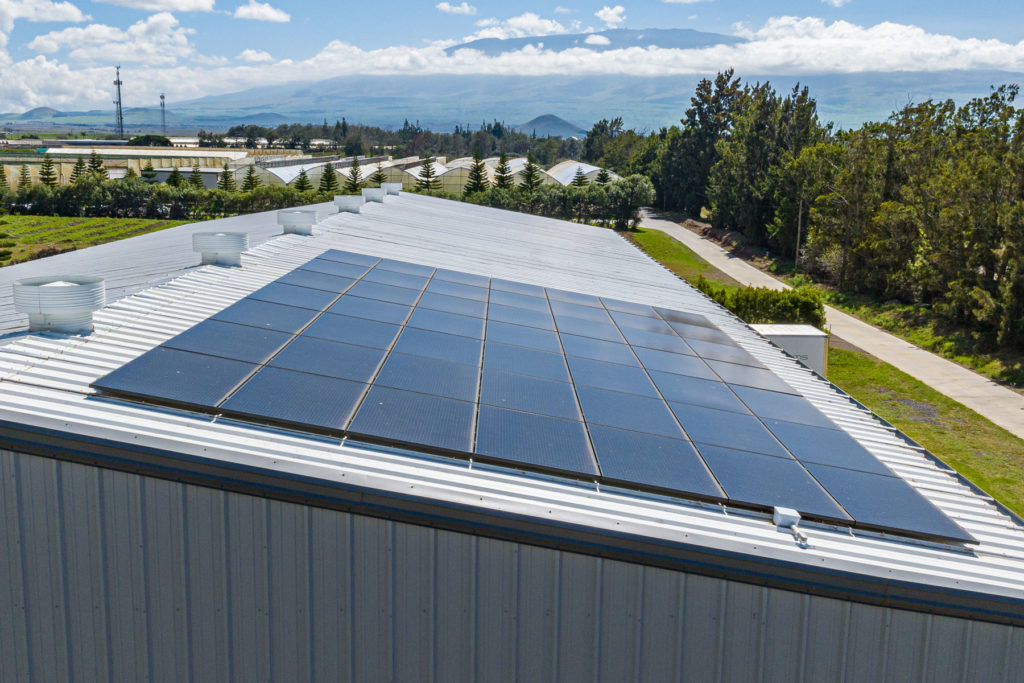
(297, 221)
(349, 203)
(220, 248)
(373, 194)
(63, 303)
(391, 188)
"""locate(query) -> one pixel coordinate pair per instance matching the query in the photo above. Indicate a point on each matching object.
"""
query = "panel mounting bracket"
(789, 519)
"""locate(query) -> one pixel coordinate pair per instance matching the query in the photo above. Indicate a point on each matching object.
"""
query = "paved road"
(982, 395)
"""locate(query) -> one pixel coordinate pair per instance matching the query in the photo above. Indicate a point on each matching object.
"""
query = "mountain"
(551, 126)
(37, 113)
(601, 41)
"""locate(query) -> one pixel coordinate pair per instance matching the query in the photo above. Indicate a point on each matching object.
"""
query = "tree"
(329, 179)
(302, 183)
(195, 178)
(477, 180)
(251, 181)
(175, 179)
(625, 199)
(530, 175)
(580, 179)
(150, 141)
(96, 164)
(502, 174)
(599, 136)
(226, 180)
(148, 172)
(24, 178)
(3, 179)
(603, 177)
(78, 170)
(354, 178)
(379, 177)
(47, 174)
(428, 181)
(130, 173)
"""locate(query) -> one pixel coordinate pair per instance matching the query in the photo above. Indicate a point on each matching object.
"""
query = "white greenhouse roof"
(156, 291)
(148, 152)
(565, 171)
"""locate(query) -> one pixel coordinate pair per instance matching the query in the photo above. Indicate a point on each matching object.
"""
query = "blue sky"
(59, 52)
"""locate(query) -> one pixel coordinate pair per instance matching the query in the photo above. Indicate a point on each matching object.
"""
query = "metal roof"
(44, 383)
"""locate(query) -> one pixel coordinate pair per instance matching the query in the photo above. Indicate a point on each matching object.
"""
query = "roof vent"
(391, 188)
(220, 248)
(297, 221)
(349, 203)
(373, 194)
(63, 303)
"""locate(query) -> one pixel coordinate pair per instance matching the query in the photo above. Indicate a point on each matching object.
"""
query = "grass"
(23, 238)
(988, 455)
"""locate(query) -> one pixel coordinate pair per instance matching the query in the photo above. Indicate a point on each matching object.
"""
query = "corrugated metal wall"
(112, 576)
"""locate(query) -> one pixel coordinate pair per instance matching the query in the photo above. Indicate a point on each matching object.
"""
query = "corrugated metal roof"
(45, 382)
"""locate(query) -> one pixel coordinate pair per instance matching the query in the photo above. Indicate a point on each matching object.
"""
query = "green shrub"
(763, 305)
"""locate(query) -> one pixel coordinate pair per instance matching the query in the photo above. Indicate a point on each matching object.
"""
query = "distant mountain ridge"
(551, 126)
(601, 41)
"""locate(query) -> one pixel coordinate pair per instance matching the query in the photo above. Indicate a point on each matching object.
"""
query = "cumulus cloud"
(693, 2)
(781, 46)
(165, 5)
(261, 11)
(611, 16)
(35, 10)
(836, 3)
(255, 56)
(595, 39)
(461, 8)
(157, 39)
(562, 10)
(526, 24)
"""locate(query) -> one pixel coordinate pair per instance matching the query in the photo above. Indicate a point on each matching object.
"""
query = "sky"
(61, 53)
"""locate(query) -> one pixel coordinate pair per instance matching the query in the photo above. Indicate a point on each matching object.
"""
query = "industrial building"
(556, 462)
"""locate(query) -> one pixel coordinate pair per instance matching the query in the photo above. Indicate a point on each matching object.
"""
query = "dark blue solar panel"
(701, 392)
(629, 307)
(598, 349)
(451, 323)
(517, 335)
(429, 376)
(266, 315)
(886, 503)
(534, 440)
(588, 328)
(405, 267)
(228, 340)
(382, 292)
(744, 375)
(450, 347)
(627, 411)
(296, 398)
(520, 316)
(658, 342)
(628, 321)
(389, 277)
(525, 361)
(788, 407)
(349, 257)
(561, 309)
(191, 379)
(371, 309)
(529, 394)
(408, 418)
(517, 288)
(453, 304)
(332, 359)
(359, 331)
(722, 428)
(825, 447)
(519, 301)
(348, 270)
(677, 364)
(290, 295)
(307, 278)
(682, 317)
(595, 373)
(730, 354)
(767, 481)
(455, 289)
(461, 278)
(703, 334)
(573, 297)
(653, 461)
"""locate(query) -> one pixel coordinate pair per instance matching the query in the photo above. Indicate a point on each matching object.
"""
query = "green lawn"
(986, 454)
(26, 237)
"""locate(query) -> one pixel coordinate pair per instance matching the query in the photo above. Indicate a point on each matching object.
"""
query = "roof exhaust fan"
(297, 221)
(349, 203)
(373, 194)
(220, 248)
(62, 303)
(391, 188)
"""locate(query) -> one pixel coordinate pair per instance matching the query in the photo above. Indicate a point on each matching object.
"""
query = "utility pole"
(163, 116)
(120, 113)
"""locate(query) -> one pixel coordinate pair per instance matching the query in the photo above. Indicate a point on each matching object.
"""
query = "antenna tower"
(120, 114)
(163, 116)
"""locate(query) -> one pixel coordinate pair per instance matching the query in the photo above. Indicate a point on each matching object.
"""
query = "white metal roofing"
(148, 152)
(44, 382)
(564, 172)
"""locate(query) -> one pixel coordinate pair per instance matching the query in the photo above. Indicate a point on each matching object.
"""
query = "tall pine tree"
(379, 177)
(3, 180)
(24, 178)
(78, 170)
(148, 172)
(96, 164)
(47, 174)
(302, 183)
(175, 179)
(531, 175)
(195, 178)
(502, 174)
(354, 179)
(477, 180)
(251, 181)
(603, 177)
(329, 179)
(226, 180)
(579, 180)
(428, 181)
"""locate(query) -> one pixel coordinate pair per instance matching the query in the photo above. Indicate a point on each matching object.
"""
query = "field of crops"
(23, 238)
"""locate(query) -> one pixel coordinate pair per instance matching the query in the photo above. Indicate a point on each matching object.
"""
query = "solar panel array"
(536, 378)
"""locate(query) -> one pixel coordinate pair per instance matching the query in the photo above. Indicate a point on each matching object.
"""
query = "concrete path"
(985, 397)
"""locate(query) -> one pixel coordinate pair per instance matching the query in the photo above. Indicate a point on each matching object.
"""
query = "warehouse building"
(557, 461)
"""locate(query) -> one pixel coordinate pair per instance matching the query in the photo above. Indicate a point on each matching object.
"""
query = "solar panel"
(447, 362)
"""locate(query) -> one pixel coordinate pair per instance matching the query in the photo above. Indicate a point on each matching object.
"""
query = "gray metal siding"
(112, 576)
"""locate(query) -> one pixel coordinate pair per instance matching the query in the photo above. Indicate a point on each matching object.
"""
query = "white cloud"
(562, 10)
(255, 56)
(611, 16)
(155, 40)
(526, 24)
(462, 8)
(165, 5)
(261, 11)
(35, 10)
(836, 3)
(693, 2)
(595, 39)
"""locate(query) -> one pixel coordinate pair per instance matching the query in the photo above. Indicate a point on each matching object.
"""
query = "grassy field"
(23, 238)
(986, 454)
